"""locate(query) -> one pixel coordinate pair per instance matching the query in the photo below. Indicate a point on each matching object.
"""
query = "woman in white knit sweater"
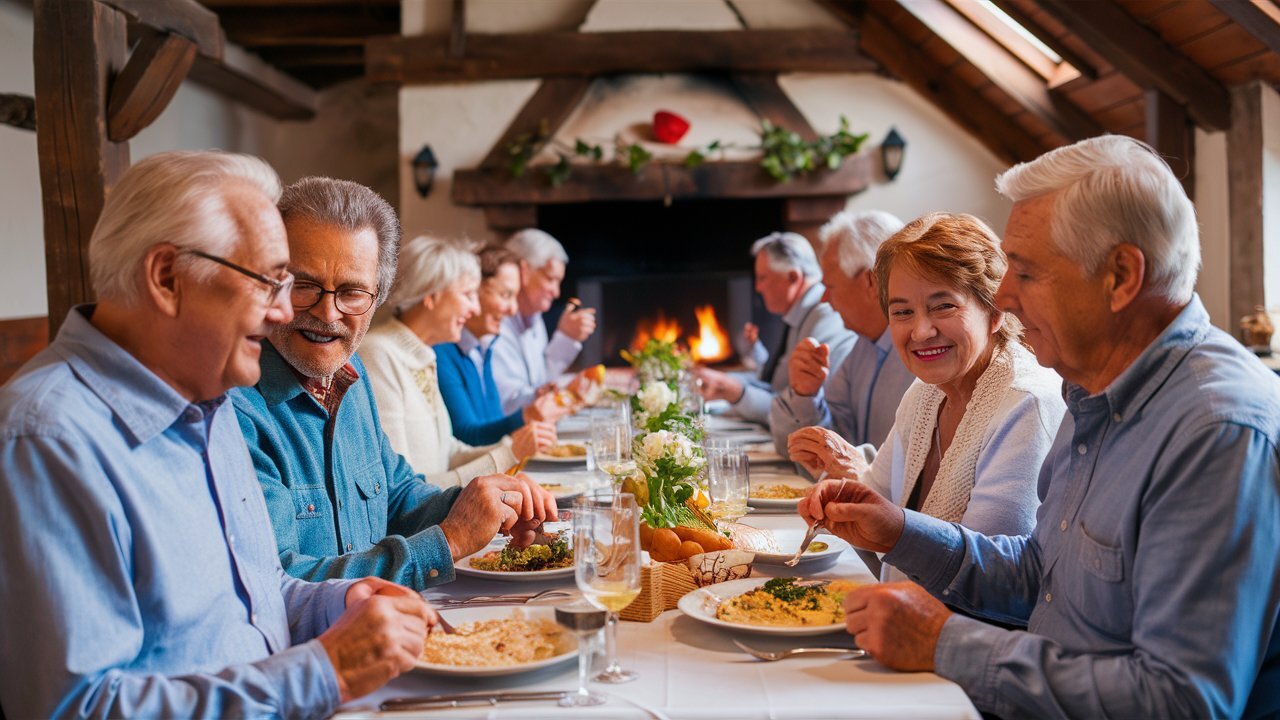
(434, 295)
(972, 431)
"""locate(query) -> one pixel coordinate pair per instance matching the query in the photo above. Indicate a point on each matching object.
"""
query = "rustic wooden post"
(79, 47)
(1173, 135)
(1244, 184)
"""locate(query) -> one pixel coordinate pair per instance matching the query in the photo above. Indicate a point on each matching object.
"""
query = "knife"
(472, 699)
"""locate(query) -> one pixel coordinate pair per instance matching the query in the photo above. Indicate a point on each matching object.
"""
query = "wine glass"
(584, 620)
(728, 481)
(611, 444)
(606, 552)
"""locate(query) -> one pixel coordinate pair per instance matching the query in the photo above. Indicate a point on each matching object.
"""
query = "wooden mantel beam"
(426, 59)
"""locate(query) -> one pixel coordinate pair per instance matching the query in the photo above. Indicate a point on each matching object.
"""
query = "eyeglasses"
(276, 287)
(349, 301)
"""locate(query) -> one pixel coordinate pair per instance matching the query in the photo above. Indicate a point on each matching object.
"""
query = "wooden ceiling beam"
(1019, 82)
(425, 59)
(543, 114)
(156, 67)
(1260, 18)
(270, 27)
(1143, 56)
(246, 78)
(186, 18)
(307, 4)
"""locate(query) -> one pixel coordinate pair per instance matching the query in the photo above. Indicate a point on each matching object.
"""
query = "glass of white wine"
(728, 481)
(606, 551)
(611, 446)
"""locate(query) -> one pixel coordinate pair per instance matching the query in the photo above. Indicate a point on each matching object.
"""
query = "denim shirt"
(138, 577)
(343, 503)
(1152, 580)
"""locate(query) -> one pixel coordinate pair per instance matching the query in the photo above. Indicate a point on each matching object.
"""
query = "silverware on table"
(768, 656)
(510, 599)
(815, 528)
(471, 699)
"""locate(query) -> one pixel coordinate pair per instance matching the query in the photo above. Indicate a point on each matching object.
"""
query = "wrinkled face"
(321, 339)
(1062, 311)
(944, 336)
(854, 297)
(778, 289)
(226, 318)
(539, 287)
(497, 301)
(450, 309)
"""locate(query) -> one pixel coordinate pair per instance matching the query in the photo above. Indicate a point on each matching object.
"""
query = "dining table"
(688, 668)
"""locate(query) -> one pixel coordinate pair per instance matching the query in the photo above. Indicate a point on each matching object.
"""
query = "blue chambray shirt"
(1152, 579)
(138, 577)
(343, 503)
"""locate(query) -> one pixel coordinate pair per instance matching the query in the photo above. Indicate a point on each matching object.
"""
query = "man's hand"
(491, 504)
(719, 386)
(809, 366)
(548, 407)
(578, 323)
(751, 333)
(855, 513)
(524, 532)
(897, 623)
(820, 450)
(531, 438)
(378, 637)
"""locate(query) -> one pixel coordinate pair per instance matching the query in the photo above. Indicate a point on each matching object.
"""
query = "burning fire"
(710, 345)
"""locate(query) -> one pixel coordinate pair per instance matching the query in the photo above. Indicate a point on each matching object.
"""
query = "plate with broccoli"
(547, 558)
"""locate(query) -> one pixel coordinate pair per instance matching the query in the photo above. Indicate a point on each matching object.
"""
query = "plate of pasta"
(495, 641)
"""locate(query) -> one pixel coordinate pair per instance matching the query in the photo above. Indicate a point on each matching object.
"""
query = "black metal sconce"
(892, 149)
(424, 170)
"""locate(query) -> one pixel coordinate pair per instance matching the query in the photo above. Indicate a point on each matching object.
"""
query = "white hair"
(176, 198)
(1113, 189)
(537, 248)
(788, 251)
(857, 237)
(429, 265)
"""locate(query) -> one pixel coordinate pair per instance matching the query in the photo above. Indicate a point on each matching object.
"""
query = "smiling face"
(778, 288)
(320, 340)
(497, 300)
(448, 311)
(540, 286)
(944, 336)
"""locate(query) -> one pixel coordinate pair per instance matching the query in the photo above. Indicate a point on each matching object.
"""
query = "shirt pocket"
(1098, 590)
(372, 485)
(310, 503)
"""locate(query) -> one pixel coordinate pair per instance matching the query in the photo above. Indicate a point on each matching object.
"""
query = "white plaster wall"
(1214, 214)
(22, 287)
(1271, 199)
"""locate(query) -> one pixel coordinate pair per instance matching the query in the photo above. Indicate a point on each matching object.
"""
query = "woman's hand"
(532, 438)
(820, 450)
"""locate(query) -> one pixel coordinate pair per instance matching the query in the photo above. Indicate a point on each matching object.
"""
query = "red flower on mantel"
(669, 127)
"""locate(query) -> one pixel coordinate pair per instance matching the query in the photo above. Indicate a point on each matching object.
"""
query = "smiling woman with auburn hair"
(970, 435)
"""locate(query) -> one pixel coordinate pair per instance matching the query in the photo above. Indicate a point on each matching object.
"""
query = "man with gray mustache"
(343, 503)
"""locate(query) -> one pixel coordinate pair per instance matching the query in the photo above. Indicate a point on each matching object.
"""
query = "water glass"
(584, 620)
(728, 480)
(606, 553)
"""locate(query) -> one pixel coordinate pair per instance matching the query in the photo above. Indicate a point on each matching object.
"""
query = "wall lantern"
(424, 170)
(891, 151)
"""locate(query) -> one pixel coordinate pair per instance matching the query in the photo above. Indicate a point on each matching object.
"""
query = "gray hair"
(1113, 189)
(537, 247)
(857, 236)
(176, 198)
(429, 265)
(349, 206)
(788, 251)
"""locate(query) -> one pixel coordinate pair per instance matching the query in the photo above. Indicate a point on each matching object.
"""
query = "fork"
(815, 528)
(767, 656)
(516, 599)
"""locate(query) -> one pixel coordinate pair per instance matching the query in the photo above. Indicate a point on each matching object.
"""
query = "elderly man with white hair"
(1151, 583)
(788, 279)
(525, 360)
(138, 572)
(859, 400)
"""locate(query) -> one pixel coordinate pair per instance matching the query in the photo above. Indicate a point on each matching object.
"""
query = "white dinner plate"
(701, 604)
(564, 485)
(463, 567)
(567, 651)
(790, 480)
(789, 541)
(570, 459)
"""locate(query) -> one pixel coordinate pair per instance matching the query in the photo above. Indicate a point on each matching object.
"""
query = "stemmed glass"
(585, 621)
(611, 442)
(728, 481)
(606, 551)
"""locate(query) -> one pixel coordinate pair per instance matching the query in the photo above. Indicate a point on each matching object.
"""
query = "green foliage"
(787, 155)
(637, 157)
(559, 172)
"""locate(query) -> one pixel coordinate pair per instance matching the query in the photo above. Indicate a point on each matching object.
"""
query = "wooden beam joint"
(148, 82)
(18, 111)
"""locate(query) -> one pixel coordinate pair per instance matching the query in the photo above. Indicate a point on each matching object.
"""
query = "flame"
(712, 343)
(660, 329)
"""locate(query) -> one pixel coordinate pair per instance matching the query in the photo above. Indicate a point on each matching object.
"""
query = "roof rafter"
(1261, 18)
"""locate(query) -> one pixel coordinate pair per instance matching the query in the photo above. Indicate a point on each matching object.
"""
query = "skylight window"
(1016, 27)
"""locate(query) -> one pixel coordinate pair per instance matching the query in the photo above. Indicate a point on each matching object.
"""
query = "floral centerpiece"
(658, 360)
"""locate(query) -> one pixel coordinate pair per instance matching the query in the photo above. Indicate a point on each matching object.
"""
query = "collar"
(884, 344)
(803, 304)
(417, 353)
(145, 404)
(1138, 383)
(467, 342)
(279, 383)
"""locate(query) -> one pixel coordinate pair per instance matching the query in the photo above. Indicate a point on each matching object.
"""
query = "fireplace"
(641, 262)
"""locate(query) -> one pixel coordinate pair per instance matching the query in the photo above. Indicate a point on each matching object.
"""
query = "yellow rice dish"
(515, 640)
(567, 450)
(777, 491)
(780, 602)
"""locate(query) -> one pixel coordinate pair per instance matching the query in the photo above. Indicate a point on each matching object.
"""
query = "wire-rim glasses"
(275, 287)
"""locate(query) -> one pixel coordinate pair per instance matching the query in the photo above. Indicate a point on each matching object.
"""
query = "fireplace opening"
(677, 268)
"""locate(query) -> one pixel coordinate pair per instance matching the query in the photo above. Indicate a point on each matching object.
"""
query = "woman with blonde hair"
(433, 297)
(971, 433)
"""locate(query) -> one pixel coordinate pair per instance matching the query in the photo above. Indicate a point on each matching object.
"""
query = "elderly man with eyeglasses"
(138, 576)
(343, 503)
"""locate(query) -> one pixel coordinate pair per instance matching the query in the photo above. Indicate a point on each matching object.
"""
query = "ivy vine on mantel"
(785, 155)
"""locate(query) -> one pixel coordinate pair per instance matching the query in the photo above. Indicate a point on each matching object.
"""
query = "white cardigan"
(987, 480)
(402, 372)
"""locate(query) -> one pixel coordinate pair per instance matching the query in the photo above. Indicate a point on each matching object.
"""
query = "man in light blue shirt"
(860, 399)
(138, 572)
(1151, 584)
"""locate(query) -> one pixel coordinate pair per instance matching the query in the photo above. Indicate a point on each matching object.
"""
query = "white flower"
(664, 443)
(655, 397)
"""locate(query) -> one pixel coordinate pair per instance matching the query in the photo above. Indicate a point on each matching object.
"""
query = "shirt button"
(1048, 597)
(311, 507)
(231, 538)
(348, 547)
(1082, 448)
(1062, 526)
(434, 573)
(1117, 417)
(377, 488)
(253, 618)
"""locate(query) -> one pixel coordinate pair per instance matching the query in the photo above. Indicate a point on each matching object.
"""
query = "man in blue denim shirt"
(137, 574)
(1151, 584)
(343, 503)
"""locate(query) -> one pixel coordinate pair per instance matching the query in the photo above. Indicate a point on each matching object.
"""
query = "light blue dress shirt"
(858, 400)
(526, 359)
(139, 576)
(1152, 580)
(343, 502)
